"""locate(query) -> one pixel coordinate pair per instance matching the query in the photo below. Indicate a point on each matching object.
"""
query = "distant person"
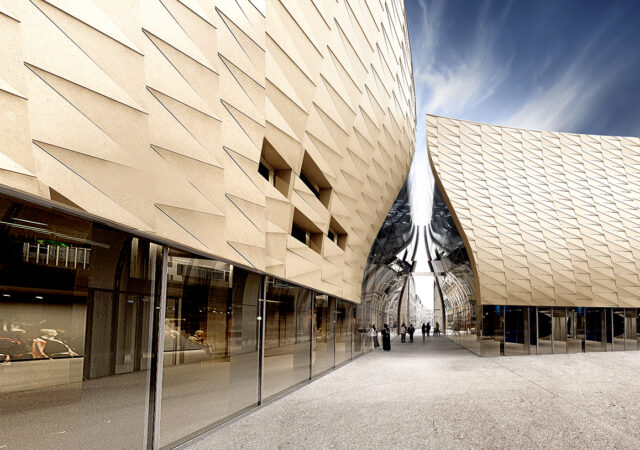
(569, 326)
(436, 330)
(386, 338)
(374, 337)
(403, 332)
(428, 328)
(411, 330)
(424, 331)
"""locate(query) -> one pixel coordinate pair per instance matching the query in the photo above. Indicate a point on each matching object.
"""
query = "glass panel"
(544, 331)
(638, 327)
(608, 321)
(287, 337)
(468, 335)
(594, 334)
(343, 331)
(559, 330)
(630, 329)
(575, 330)
(618, 329)
(323, 357)
(533, 330)
(516, 342)
(75, 306)
(492, 330)
(358, 330)
(210, 345)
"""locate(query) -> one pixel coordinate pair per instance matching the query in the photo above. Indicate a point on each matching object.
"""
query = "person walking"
(424, 330)
(374, 337)
(403, 332)
(411, 330)
(386, 338)
(436, 330)
(428, 328)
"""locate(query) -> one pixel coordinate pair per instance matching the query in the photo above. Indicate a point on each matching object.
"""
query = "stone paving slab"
(438, 395)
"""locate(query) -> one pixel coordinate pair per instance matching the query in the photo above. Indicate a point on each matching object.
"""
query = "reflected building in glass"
(388, 287)
(188, 197)
(533, 236)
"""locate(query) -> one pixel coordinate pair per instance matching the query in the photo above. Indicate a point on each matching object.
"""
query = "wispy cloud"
(566, 101)
(451, 80)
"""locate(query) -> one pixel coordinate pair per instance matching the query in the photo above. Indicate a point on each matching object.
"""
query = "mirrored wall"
(528, 330)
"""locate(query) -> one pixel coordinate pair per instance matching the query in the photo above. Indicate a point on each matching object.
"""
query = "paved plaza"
(438, 395)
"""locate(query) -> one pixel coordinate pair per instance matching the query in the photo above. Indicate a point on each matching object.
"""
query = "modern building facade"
(189, 192)
(536, 236)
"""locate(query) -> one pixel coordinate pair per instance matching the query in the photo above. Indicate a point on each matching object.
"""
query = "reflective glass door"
(594, 330)
(544, 331)
(560, 330)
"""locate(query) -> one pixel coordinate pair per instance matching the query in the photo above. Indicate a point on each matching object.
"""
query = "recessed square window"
(306, 231)
(315, 180)
(275, 169)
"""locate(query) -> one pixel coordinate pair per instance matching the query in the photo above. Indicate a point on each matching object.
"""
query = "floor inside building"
(436, 394)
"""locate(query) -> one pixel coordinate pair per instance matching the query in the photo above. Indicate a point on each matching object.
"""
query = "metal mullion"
(312, 337)
(157, 362)
(537, 333)
(553, 343)
(262, 302)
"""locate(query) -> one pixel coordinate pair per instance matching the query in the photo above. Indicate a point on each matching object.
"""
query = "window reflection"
(544, 331)
(560, 323)
(516, 320)
(492, 330)
(575, 330)
(630, 327)
(210, 344)
(287, 336)
(323, 356)
(618, 329)
(343, 331)
(74, 331)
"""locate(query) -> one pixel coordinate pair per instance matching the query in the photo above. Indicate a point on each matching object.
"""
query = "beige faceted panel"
(156, 114)
(549, 218)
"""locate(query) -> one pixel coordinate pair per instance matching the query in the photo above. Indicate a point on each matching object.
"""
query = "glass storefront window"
(75, 331)
(323, 355)
(575, 330)
(630, 325)
(638, 327)
(594, 330)
(343, 331)
(560, 319)
(618, 329)
(210, 345)
(545, 336)
(516, 327)
(492, 330)
(608, 327)
(533, 330)
(80, 319)
(358, 330)
(287, 336)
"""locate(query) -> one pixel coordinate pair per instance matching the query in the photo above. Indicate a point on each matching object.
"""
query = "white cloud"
(566, 100)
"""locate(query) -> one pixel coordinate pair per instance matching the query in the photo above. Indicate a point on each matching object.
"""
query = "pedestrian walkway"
(438, 395)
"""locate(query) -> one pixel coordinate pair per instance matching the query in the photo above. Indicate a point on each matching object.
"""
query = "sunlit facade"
(536, 238)
(189, 192)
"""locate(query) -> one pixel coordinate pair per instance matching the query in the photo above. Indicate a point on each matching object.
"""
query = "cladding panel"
(549, 218)
(154, 114)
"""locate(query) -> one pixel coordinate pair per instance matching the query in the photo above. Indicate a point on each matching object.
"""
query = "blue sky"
(558, 65)
(570, 65)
